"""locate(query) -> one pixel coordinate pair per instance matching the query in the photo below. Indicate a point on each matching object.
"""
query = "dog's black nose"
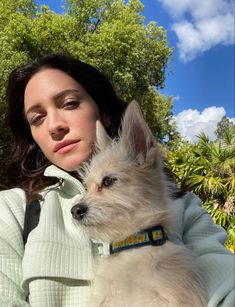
(79, 211)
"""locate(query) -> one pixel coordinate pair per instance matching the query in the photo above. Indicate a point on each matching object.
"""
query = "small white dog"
(127, 206)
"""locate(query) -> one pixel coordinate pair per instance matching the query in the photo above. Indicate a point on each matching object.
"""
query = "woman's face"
(62, 117)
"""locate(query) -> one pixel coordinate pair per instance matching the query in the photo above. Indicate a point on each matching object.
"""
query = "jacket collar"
(70, 184)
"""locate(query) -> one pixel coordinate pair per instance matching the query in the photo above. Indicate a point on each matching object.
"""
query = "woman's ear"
(106, 120)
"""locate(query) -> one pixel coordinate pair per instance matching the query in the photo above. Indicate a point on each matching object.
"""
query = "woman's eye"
(71, 104)
(36, 120)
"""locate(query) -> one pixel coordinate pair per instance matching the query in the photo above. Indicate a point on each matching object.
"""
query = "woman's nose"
(57, 127)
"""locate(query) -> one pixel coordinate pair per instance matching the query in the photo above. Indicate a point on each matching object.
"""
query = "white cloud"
(201, 24)
(191, 123)
(175, 98)
(232, 120)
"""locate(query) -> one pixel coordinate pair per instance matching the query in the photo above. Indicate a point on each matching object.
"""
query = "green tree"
(225, 130)
(208, 169)
(109, 34)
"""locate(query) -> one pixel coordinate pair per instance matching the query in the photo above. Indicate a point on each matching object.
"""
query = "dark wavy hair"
(28, 162)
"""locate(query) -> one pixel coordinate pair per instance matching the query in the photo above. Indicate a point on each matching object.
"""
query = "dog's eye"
(108, 181)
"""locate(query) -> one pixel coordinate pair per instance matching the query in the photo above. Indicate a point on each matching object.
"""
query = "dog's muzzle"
(79, 211)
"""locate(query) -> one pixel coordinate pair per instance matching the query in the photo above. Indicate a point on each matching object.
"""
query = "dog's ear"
(102, 138)
(136, 135)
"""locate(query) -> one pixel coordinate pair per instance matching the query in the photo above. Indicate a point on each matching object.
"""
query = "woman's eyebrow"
(32, 109)
(65, 92)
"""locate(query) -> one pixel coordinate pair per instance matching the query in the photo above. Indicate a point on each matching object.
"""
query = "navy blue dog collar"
(152, 236)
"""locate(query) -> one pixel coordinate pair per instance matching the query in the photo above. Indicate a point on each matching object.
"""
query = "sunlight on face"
(62, 117)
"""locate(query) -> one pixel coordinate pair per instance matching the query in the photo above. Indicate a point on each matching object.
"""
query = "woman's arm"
(206, 240)
(12, 204)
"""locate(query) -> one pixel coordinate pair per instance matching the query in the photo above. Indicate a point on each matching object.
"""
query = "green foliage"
(157, 112)
(230, 244)
(223, 214)
(208, 169)
(225, 130)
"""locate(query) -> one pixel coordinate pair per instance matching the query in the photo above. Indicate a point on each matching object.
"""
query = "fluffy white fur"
(136, 199)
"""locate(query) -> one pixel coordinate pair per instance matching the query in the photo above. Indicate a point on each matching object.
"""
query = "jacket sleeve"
(207, 239)
(12, 205)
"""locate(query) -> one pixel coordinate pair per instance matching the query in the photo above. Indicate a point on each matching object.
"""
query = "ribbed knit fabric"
(55, 268)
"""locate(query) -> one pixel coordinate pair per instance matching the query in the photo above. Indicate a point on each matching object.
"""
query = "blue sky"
(201, 74)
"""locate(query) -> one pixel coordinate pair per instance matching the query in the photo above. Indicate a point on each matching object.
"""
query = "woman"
(53, 104)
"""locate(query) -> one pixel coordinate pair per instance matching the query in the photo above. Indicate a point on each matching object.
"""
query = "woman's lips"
(65, 147)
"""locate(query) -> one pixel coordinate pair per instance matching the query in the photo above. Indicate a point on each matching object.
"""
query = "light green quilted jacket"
(55, 267)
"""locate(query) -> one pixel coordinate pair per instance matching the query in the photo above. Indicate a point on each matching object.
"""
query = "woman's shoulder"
(14, 194)
(12, 208)
(187, 199)
(12, 204)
